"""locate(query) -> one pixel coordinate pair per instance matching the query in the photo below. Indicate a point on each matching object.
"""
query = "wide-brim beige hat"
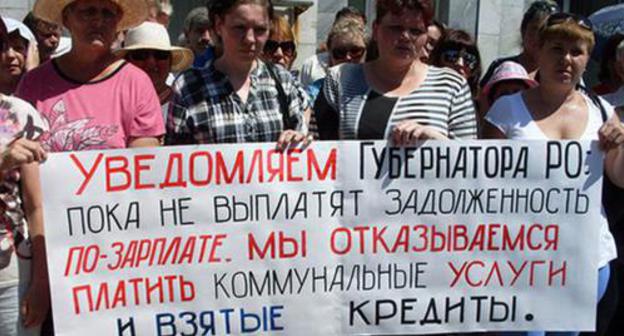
(150, 35)
(134, 11)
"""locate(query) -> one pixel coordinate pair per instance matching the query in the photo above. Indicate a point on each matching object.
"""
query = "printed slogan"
(332, 239)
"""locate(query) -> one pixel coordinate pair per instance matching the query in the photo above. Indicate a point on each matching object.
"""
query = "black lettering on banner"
(176, 211)
(126, 328)
(102, 218)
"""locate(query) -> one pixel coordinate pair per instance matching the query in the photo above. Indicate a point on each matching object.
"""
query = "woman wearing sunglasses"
(458, 50)
(396, 96)
(149, 48)
(91, 99)
(280, 48)
(238, 97)
(346, 43)
(558, 110)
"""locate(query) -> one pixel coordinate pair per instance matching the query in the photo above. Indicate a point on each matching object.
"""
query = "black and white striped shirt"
(442, 101)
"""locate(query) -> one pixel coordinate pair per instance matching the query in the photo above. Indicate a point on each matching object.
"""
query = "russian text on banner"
(333, 239)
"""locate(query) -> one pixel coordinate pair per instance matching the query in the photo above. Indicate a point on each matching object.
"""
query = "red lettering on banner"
(451, 238)
(287, 247)
(117, 166)
(134, 291)
(140, 167)
(478, 273)
(290, 161)
(225, 176)
(157, 251)
(175, 162)
(330, 166)
(88, 175)
(202, 168)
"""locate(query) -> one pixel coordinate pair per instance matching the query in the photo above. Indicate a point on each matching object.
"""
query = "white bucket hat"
(134, 11)
(150, 35)
(14, 25)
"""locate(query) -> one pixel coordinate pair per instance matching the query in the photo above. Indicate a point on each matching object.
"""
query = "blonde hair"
(281, 27)
(567, 30)
(347, 26)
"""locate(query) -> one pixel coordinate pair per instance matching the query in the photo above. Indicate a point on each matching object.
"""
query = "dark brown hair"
(397, 7)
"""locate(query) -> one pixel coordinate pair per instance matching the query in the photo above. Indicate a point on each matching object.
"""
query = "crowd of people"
(116, 81)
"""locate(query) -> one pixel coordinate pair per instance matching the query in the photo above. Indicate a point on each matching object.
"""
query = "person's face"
(506, 88)
(48, 37)
(14, 56)
(433, 37)
(563, 60)
(530, 39)
(93, 22)
(156, 63)
(280, 50)
(243, 32)
(199, 38)
(401, 37)
(460, 60)
(346, 48)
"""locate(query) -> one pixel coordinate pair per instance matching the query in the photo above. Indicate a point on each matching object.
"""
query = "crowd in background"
(115, 80)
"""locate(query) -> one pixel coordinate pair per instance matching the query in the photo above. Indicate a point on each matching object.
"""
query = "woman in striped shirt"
(396, 96)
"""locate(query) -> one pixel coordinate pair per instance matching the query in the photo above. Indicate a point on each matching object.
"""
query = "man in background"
(197, 36)
(50, 43)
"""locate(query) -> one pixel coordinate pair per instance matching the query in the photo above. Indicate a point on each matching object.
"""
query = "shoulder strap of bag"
(596, 101)
(281, 97)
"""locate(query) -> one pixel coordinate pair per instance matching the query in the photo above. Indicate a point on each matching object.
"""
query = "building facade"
(495, 23)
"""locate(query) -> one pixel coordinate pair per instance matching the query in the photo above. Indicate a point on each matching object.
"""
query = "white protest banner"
(334, 239)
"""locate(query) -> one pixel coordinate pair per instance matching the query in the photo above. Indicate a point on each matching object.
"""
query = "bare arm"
(36, 303)
(145, 142)
(490, 131)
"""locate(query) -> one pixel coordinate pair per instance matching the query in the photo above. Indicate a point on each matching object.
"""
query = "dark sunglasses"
(144, 54)
(288, 47)
(559, 18)
(542, 7)
(453, 55)
(354, 52)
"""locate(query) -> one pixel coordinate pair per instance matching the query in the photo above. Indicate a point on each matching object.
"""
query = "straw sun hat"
(150, 35)
(134, 11)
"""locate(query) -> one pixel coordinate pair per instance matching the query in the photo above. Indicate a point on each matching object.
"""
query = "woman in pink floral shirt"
(90, 99)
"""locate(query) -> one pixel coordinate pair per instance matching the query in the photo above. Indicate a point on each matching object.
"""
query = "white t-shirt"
(313, 68)
(512, 117)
